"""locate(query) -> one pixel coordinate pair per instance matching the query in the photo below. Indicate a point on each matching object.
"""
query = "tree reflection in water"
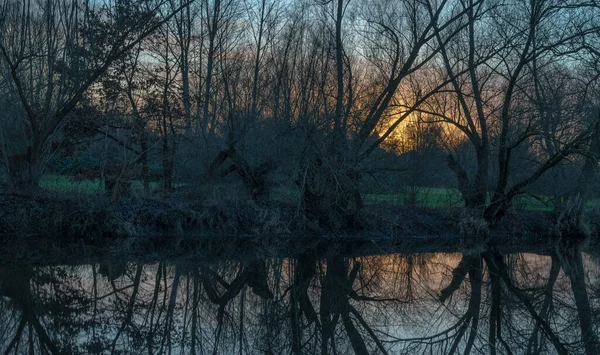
(474, 302)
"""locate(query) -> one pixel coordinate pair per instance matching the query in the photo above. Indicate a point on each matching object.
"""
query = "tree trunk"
(256, 180)
(168, 154)
(24, 170)
(144, 161)
(213, 24)
(331, 195)
(185, 85)
(474, 193)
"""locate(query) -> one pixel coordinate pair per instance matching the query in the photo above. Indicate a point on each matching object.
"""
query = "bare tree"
(55, 51)
(491, 82)
(405, 35)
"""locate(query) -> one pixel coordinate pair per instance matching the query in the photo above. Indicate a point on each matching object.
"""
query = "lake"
(478, 301)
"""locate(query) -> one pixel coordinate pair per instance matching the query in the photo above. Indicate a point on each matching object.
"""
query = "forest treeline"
(325, 99)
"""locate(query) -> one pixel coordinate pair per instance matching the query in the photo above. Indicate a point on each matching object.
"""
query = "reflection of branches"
(303, 275)
(17, 338)
(449, 339)
(333, 311)
(131, 303)
(370, 331)
(497, 266)
(573, 267)
(195, 298)
(472, 315)
(532, 346)
(300, 303)
(469, 265)
(337, 290)
(254, 275)
(458, 275)
(356, 339)
(16, 285)
(170, 311)
(495, 330)
(330, 290)
(152, 306)
(41, 332)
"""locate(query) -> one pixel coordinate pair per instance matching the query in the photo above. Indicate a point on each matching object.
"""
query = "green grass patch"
(421, 197)
(62, 183)
(429, 197)
(448, 197)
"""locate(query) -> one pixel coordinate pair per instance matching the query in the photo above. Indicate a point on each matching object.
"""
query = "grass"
(421, 196)
(448, 197)
(431, 197)
(62, 183)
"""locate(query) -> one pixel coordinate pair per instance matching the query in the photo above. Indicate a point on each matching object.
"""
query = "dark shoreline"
(48, 228)
(248, 249)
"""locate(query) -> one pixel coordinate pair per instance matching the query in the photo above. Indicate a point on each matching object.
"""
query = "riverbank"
(34, 226)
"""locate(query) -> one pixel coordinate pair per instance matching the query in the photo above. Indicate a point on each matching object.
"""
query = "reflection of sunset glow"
(397, 296)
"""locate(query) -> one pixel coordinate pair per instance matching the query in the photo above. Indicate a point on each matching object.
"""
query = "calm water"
(438, 303)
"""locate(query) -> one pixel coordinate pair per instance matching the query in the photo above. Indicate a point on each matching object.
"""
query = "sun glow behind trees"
(339, 79)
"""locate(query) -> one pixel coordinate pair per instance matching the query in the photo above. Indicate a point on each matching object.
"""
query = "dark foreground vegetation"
(262, 117)
(44, 227)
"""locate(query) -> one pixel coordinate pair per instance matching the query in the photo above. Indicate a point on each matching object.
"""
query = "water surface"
(476, 302)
